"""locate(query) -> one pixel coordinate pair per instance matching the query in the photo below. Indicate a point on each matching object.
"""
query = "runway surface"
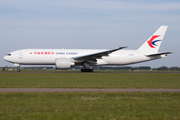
(83, 90)
(163, 72)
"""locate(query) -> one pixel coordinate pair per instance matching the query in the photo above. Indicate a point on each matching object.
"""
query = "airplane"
(66, 58)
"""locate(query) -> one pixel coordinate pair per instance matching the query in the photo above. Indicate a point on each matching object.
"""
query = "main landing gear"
(87, 68)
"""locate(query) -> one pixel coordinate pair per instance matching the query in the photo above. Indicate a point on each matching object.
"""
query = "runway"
(83, 90)
(162, 72)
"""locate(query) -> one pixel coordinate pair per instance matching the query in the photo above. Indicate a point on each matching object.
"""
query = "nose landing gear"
(18, 70)
(18, 67)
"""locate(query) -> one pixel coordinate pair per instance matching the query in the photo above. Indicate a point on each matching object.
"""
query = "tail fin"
(154, 42)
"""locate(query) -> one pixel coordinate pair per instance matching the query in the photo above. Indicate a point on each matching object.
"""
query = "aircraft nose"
(4, 58)
(8, 57)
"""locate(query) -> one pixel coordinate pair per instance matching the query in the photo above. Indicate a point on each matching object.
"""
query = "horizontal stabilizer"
(156, 54)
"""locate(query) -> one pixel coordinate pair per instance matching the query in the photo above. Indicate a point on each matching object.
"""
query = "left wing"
(94, 56)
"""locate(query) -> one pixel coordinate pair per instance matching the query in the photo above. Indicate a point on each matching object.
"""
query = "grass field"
(90, 80)
(89, 106)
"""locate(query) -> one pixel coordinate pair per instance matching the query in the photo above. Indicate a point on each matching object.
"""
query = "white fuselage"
(49, 56)
(66, 58)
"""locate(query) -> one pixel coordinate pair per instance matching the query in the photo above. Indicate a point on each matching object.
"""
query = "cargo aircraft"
(66, 58)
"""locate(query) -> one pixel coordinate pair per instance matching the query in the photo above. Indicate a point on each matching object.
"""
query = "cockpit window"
(8, 54)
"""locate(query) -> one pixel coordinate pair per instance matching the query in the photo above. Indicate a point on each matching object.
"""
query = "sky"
(89, 24)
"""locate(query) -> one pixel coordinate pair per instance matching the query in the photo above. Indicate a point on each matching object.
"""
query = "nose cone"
(5, 58)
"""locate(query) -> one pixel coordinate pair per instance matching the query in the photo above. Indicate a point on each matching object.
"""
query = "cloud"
(95, 4)
(86, 23)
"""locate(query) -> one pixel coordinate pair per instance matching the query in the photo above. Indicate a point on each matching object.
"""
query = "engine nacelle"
(64, 63)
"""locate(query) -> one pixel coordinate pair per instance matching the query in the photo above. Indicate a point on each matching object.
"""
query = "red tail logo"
(151, 42)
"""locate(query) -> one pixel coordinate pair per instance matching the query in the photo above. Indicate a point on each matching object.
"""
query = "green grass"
(90, 80)
(90, 105)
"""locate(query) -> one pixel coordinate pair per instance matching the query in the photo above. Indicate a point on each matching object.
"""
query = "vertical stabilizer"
(154, 42)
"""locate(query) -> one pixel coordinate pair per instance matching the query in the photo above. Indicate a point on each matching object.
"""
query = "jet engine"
(64, 63)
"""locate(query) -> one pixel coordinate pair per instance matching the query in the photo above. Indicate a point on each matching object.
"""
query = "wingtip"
(123, 47)
(169, 52)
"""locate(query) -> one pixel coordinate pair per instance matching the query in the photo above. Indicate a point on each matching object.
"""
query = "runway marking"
(83, 90)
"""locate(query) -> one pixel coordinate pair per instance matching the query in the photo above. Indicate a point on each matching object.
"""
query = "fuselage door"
(20, 55)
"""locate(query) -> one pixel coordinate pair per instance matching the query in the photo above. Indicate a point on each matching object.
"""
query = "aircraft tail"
(154, 42)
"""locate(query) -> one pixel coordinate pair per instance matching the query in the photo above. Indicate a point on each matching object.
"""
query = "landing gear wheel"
(86, 70)
(19, 70)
